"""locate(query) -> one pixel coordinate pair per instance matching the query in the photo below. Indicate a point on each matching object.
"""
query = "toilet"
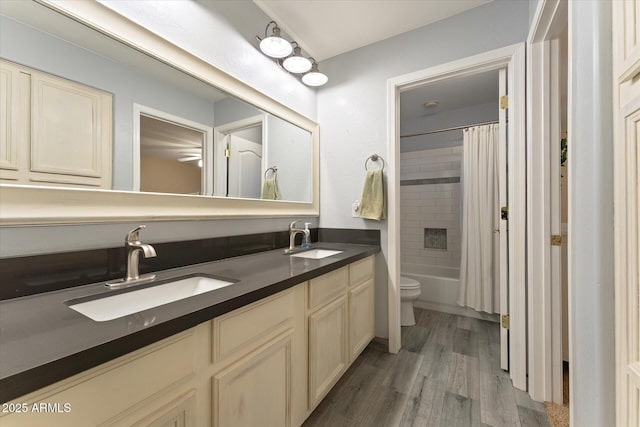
(409, 291)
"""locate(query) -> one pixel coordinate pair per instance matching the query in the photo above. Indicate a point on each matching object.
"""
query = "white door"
(504, 228)
(244, 168)
(626, 63)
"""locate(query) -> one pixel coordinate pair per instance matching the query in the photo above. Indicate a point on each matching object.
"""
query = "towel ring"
(375, 158)
(273, 169)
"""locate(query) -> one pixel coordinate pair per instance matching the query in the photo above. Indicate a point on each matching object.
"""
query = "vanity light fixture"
(289, 56)
(296, 63)
(314, 77)
(274, 45)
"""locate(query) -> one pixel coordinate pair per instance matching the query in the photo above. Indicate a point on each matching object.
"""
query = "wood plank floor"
(446, 374)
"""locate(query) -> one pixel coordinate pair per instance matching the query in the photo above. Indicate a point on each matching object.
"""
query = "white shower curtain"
(480, 253)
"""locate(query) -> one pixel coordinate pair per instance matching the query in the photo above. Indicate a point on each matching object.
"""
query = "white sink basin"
(115, 306)
(316, 253)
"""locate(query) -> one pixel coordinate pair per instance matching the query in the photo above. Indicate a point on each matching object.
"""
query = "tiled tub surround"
(430, 198)
(42, 341)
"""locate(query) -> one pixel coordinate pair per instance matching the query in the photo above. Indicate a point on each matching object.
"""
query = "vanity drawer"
(361, 270)
(327, 287)
(241, 327)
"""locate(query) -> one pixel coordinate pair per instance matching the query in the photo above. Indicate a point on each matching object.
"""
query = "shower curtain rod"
(446, 130)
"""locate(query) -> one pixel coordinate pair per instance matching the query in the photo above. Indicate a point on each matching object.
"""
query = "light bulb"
(274, 45)
(314, 78)
(297, 63)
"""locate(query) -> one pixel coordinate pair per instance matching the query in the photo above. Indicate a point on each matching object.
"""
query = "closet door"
(626, 65)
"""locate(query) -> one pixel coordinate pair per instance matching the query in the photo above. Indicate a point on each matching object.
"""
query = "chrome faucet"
(134, 247)
(293, 231)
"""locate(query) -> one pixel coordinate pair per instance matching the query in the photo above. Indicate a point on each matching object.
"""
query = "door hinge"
(227, 153)
(504, 213)
(504, 321)
(556, 240)
(504, 102)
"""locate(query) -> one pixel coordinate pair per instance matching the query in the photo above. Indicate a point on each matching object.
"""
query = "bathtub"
(440, 289)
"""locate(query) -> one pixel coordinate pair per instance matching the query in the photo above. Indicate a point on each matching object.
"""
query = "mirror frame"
(40, 205)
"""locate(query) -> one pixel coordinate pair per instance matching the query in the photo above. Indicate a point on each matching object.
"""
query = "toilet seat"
(408, 283)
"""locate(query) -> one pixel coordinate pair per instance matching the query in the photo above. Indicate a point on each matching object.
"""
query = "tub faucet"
(292, 236)
(134, 247)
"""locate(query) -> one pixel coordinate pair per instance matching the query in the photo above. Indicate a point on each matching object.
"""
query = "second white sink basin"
(123, 304)
(316, 253)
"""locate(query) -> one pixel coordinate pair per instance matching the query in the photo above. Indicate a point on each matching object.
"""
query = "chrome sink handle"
(134, 235)
(292, 226)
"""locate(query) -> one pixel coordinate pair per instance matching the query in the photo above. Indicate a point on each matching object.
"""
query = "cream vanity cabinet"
(341, 323)
(266, 364)
(54, 130)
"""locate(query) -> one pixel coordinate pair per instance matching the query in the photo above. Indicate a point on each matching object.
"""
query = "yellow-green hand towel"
(271, 189)
(373, 203)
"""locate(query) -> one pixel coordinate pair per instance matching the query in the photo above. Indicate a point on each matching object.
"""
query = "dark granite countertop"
(43, 341)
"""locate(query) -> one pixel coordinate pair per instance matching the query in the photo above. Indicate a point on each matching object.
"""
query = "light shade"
(297, 63)
(274, 45)
(314, 77)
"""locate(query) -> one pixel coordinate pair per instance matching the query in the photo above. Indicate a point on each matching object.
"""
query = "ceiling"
(169, 141)
(452, 94)
(326, 28)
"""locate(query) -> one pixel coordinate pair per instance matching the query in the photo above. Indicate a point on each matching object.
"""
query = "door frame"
(513, 58)
(219, 135)
(543, 127)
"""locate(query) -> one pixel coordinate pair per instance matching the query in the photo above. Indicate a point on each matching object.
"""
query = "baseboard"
(456, 309)
(380, 343)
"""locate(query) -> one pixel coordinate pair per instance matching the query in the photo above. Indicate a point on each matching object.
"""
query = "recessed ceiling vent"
(431, 104)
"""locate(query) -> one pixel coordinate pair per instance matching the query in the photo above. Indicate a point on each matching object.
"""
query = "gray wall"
(225, 37)
(352, 106)
(36, 49)
(533, 5)
(289, 148)
(231, 110)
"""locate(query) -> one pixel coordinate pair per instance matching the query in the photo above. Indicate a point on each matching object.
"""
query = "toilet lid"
(408, 283)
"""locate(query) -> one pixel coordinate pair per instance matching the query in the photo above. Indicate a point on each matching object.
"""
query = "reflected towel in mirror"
(271, 189)
(373, 204)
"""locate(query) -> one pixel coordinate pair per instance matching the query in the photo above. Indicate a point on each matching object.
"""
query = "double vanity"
(250, 340)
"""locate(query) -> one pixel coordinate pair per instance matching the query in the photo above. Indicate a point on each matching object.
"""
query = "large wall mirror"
(121, 132)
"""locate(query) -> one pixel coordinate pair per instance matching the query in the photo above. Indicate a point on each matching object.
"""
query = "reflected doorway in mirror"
(171, 154)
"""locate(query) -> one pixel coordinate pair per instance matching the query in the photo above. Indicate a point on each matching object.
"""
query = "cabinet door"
(361, 320)
(14, 115)
(73, 148)
(163, 412)
(327, 348)
(256, 390)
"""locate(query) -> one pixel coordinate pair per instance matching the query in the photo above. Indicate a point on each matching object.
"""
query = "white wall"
(591, 246)
(352, 106)
(222, 33)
